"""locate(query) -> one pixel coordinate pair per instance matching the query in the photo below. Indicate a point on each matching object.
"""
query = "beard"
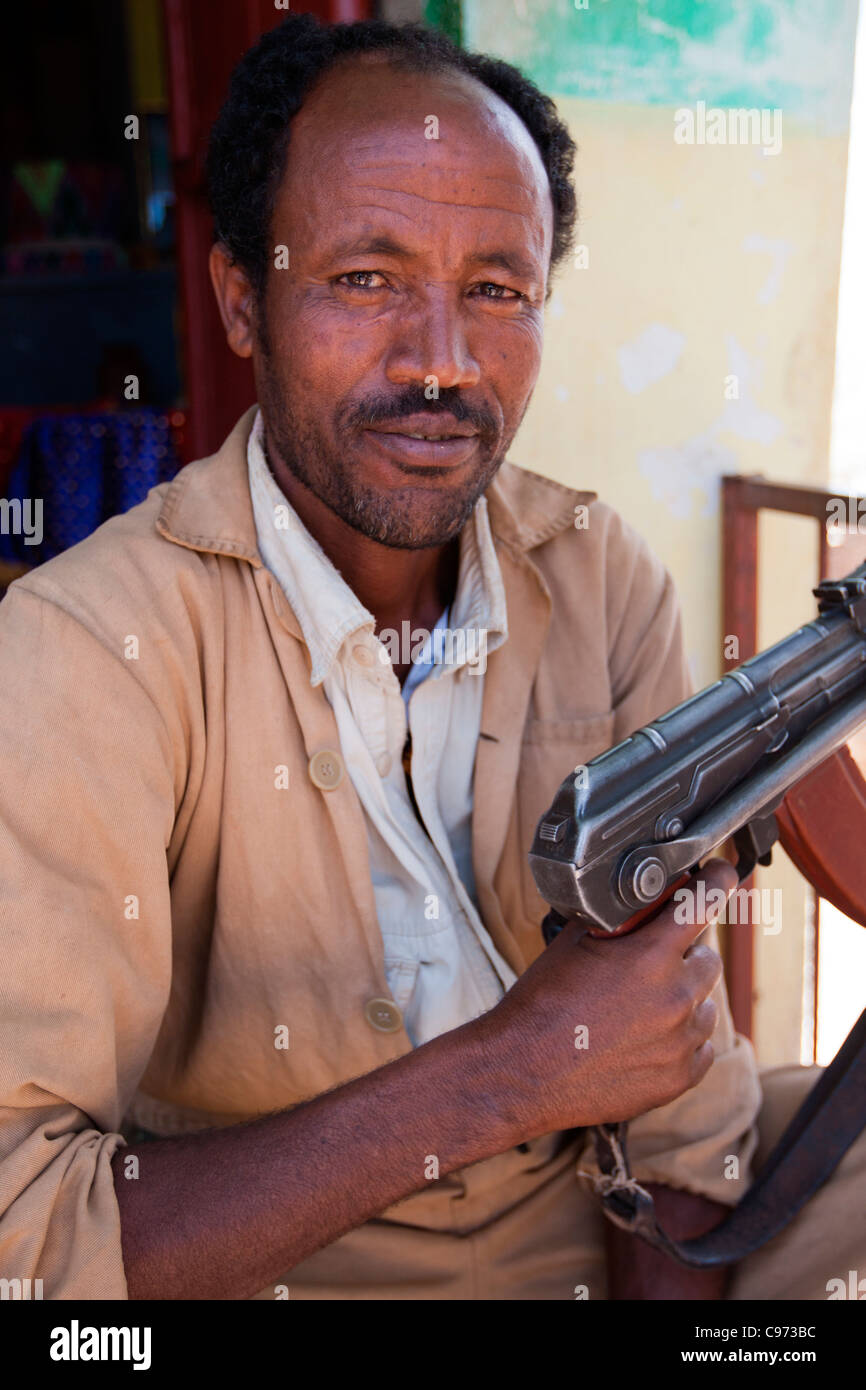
(411, 518)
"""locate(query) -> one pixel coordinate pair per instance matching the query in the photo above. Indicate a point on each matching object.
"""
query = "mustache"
(379, 410)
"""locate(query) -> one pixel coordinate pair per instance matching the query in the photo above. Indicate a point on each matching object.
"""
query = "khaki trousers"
(521, 1225)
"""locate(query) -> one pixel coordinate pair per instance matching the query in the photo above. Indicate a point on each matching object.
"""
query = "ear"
(234, 296)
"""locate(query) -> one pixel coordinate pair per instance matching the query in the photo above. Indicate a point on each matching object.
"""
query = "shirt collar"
(208, 506)
(324, 605)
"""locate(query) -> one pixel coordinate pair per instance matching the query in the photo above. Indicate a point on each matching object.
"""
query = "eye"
(353, 279)
(490, 290)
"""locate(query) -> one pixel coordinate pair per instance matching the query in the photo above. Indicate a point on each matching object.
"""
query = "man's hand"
(643, 1001)
(223, 1213)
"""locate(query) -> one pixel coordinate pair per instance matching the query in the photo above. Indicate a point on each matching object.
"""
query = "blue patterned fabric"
(85, 468)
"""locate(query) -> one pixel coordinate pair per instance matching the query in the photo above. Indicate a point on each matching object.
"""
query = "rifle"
(627, 831)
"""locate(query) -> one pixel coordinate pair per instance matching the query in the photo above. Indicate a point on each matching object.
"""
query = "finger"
(702, 1059)
(704, 967)
(705, 1018)
(694, 906)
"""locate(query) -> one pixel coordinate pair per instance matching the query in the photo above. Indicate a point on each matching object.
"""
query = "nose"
(432, 342)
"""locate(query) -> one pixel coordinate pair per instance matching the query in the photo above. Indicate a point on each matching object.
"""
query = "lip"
(436, 426)
(441, 452)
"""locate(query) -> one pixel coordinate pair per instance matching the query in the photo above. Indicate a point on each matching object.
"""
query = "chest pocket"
(551, 749)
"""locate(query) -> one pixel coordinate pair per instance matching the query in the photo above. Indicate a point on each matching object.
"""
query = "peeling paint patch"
(779, 251)
(649, 357)
(744, 416)
(677, 472)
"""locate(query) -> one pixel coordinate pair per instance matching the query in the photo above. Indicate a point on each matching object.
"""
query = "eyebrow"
(510, 261)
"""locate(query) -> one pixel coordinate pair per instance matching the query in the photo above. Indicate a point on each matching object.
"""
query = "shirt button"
(363, 655)
(326, 769)
(383, 1015)
(383, 764)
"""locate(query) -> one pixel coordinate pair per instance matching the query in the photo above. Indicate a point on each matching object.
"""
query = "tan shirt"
(441, 966)
(168, 903)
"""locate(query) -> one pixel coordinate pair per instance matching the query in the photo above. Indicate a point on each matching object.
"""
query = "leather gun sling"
(823, 1129)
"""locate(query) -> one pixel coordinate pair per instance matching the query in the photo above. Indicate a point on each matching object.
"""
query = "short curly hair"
(249, 139)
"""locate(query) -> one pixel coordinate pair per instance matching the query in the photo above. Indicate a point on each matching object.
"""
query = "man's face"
(417, 266)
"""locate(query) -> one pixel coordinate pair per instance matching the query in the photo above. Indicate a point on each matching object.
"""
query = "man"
(261, 867)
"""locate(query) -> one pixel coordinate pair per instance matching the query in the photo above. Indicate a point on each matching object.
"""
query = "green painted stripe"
(794, 54)
(445, 15)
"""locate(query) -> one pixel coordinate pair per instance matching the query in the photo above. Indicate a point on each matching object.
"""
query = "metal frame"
(743, 498)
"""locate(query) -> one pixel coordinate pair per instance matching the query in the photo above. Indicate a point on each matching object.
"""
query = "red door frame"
(204, 40)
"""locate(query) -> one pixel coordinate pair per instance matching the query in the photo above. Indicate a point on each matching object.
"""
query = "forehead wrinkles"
(390, 199)
(419, 213)
(387, 185)
(443, 185)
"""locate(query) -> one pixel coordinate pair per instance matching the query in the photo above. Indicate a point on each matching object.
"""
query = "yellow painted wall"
(703, 261)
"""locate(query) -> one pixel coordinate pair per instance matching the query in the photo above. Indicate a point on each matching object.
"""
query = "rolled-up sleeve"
(704, 1141)
(87, 794)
